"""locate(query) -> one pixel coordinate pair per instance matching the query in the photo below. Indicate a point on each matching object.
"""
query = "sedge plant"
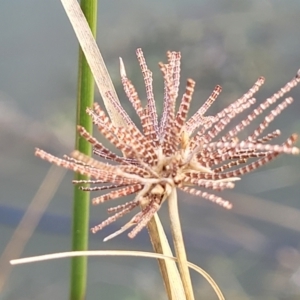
(197, 155)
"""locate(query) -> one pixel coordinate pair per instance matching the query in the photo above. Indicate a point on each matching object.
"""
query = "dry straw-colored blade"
(93, 57)
(161, 257)
(29, 221)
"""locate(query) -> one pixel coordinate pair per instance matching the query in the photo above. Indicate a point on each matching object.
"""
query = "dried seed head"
(174, 152)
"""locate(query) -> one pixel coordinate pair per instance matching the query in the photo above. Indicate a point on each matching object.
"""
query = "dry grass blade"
(93, 56)
(46, 257)
(29, 221)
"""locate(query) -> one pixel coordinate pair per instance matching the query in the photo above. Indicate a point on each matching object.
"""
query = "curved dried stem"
(161, 257)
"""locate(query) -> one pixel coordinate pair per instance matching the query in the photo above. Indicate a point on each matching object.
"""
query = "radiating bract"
(194, 155)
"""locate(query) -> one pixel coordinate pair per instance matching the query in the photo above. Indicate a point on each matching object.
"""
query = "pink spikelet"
(198, 155)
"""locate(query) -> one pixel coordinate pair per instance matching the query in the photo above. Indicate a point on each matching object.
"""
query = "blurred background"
(252, 251)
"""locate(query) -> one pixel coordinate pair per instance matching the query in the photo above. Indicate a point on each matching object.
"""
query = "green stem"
(80, 230)
(179, 245)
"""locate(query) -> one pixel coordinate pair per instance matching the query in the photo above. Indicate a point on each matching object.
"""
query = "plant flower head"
(197, 155)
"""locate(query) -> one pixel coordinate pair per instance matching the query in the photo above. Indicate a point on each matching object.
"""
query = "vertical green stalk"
(80, 229)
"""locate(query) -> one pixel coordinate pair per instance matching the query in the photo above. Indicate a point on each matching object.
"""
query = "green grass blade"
(80, 229)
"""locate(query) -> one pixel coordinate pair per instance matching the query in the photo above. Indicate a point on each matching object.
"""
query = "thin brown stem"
(168, 269)
(179, 245)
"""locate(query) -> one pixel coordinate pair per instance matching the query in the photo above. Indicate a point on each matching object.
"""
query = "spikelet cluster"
(198, 155)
